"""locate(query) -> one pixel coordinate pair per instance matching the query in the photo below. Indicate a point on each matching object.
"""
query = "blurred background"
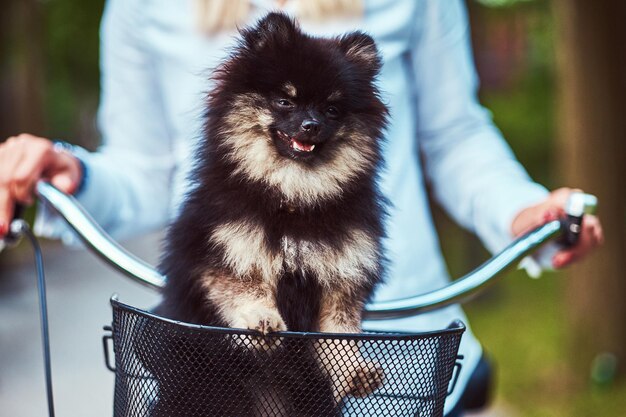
(553, 74)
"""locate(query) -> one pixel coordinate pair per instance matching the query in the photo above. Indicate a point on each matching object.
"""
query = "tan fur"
(332, 265)
(250, 303)
(246, 304)
(363, 53)
(290, 90)
(348, 371)
(249, 144)
(247, 299)
(245, 250)
(246, 254)
(337, 316)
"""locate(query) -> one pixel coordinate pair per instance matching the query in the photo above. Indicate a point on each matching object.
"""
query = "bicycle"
(420, 369)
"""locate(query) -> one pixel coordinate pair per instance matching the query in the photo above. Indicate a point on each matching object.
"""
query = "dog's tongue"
(303, 147)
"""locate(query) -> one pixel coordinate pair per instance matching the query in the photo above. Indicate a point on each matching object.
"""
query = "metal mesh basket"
(167, 368)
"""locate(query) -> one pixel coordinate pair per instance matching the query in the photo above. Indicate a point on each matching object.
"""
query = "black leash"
(20, 228)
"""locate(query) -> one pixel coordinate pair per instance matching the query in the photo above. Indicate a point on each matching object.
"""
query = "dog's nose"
(310, 126)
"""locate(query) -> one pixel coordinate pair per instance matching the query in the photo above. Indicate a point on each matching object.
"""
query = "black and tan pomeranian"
(282, 228)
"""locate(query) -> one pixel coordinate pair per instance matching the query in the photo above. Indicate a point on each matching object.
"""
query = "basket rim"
(455, 327)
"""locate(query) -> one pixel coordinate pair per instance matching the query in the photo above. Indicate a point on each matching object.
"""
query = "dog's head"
(299, 113)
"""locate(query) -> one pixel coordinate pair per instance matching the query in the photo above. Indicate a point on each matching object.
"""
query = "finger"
(6, 211)
(562, 259)
(567, 257)
(544, 216)
(590, 238)
(28, 172)
(22, 187)
(11, 156)
(65, 172)
(594, 226)
(558, 198)
(592, 231)
(550, 215)
(599, 234)
(64, 183)
(531, 218)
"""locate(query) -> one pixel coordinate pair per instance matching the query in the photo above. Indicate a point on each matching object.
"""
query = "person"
(154, 61)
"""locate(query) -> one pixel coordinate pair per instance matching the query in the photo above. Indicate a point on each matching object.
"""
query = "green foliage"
(71, 53)
(522, 322)
(525, 111)
(524, 328)
(501, 3)
(526, 117)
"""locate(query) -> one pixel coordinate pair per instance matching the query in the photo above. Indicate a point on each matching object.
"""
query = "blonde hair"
(222, 15)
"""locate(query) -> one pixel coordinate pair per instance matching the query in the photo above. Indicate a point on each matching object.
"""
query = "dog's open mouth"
(296, 145)
(293, 143)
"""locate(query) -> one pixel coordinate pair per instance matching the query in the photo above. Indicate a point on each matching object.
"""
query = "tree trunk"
(591, 54)
(21, 72)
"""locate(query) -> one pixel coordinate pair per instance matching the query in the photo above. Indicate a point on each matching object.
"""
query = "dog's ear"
(275, 27)
(359, 47)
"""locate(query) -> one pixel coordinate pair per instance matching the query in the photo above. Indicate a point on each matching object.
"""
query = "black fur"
(270, 54)
(317, 65)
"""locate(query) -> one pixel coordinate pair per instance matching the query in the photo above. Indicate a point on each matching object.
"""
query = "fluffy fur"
(282, 229)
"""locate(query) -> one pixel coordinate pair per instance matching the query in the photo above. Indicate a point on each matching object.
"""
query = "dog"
(282, 227)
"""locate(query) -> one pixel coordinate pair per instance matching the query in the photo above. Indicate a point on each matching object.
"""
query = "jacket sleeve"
(474, 173)
(127, 189)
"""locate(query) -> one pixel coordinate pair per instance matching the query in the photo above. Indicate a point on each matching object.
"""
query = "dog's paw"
(264, 321)
(366, 378)
(270, 324)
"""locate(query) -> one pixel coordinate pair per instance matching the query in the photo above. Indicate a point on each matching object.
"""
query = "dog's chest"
(297, 253)
(247, 250)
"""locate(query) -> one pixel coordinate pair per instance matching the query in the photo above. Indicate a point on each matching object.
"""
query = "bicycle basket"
(168, 368)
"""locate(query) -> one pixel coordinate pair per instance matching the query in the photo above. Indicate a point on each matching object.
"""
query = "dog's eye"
(332, 111)
(283, 103)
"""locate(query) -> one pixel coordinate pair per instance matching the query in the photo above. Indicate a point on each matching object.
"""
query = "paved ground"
(79, 287)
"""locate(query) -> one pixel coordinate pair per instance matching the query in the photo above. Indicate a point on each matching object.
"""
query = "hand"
(552, 208)
(24, 160)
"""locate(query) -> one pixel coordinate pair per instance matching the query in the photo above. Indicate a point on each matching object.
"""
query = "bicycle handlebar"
(457, 291)
(97, 239)
(469, 285)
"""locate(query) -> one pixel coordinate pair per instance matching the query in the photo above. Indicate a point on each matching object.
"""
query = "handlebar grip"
(578, 204)
(12, 238)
